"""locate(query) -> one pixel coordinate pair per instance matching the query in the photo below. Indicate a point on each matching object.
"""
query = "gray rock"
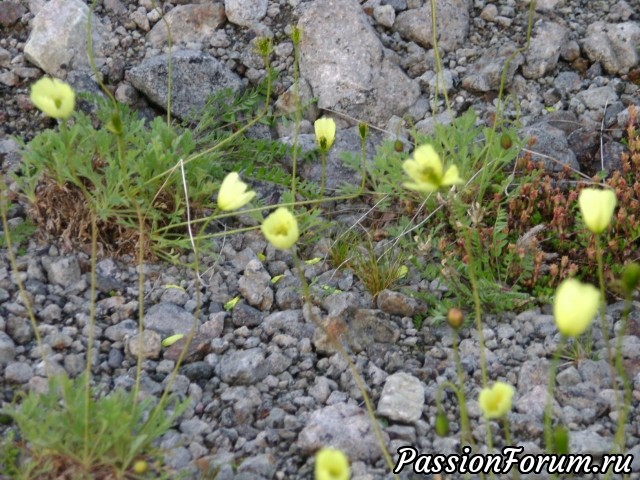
(58, 39)
(197, 371)
(63, 271)
(18, 372)
(589, 442)
(290, 322)
(614, 45)
(321, 389)
(345, 64)
(148, 346)
(245, 315)
(485, 73)
(10, 12)
(597, 372)
(286, 102)
(534, 401)
(402, 398)
(396, 303)
(452, 24)
(343, 426)
(177, 457)
(544, 51)
(598, 97)
(245, 12)
(551, 147)
(193, 23)
(118, 332)
(19, 329)
(196, 76)
(569, 376)
(255, 285)
(385, 15)
(243, 367)
(263, 466)
(195, 427)
(74, 364)
(533, 373)
(168, 319)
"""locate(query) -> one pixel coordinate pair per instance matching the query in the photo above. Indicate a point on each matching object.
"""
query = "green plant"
(21, 232)
(121, 431)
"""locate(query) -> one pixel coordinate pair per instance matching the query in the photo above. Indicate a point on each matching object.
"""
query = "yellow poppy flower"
(233, 193)
(574, 306)
(426, 171)
(281, 229)
(331, 464)
(597, 208)
(495, 402)
(53, 97)
(325, 129)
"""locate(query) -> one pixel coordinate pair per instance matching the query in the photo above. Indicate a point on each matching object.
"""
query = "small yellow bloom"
(331, 464)
(495, 402)
(597, 208)
(233, 193)
(426, 171)
(325, 129)
(53, 97)
(574, 306)
(140, 467)
(281, 228)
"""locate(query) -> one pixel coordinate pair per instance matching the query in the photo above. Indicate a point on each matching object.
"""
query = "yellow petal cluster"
(574, 306)
(325, 129)
(426, 171)
(331, 464)
(53, 97)
(597, 208)
(495, 402)
(281, 229)
(233, 193)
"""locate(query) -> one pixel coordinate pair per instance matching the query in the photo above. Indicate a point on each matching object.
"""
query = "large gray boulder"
(346, 66)
(196, 76)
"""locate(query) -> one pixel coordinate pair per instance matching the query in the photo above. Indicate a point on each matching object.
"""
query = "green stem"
(323, 157)
(92, 321)
(464, 417)
(335, 342)
(548, 434)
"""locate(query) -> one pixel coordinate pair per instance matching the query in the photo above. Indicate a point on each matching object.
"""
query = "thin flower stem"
(603, 322)
(464, 417)
(508, 441)
(335, 342)
(548, 413)
(476, 303)
(323, 157)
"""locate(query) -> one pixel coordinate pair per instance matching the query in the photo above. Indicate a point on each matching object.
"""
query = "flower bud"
(455, 318)
(630, 278)
(442, 425)
(560, 441)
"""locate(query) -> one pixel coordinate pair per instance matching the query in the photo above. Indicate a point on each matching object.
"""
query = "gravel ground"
(266, 389)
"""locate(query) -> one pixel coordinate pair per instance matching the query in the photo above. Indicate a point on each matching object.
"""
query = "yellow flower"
(233, 193)
(597, 208)
(426, 171)
(574, 306)
(495, 402)
(331, 464)
(54, 97)
(325, 129)
(281, 229)
(140, 467)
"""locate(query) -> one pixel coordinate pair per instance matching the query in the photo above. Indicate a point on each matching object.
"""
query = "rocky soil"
(266, 389)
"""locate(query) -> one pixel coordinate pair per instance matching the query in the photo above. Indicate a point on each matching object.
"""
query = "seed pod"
(505, 141)
(455, 318)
